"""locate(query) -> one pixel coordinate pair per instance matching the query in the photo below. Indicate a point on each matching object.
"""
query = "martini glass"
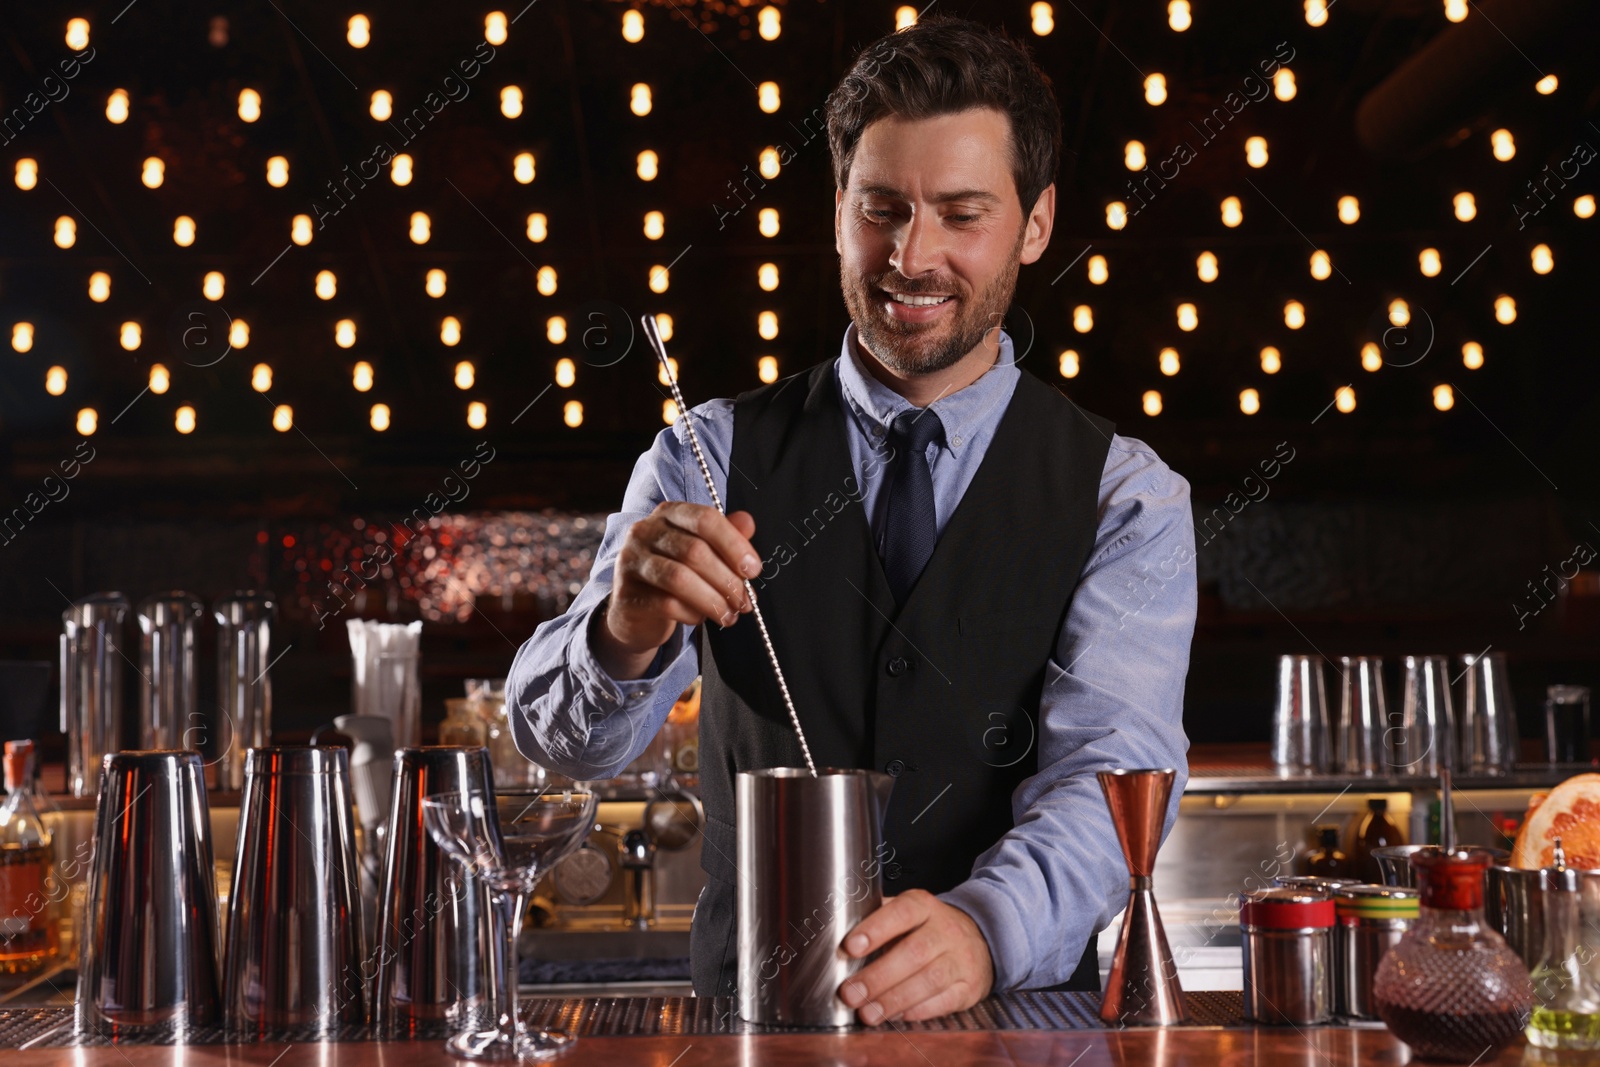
(509, 840)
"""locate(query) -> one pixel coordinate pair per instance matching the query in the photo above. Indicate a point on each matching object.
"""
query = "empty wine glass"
(509, 840)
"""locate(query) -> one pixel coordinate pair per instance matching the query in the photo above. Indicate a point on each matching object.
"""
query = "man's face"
(931, 209)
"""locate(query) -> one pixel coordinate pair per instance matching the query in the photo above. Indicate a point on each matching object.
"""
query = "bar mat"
(622, 1017)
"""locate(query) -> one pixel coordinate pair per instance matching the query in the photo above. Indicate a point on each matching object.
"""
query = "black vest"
(942, 693)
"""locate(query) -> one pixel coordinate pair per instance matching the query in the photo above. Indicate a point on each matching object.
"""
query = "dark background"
(1396, 528)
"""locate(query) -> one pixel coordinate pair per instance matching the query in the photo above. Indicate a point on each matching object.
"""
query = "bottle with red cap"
(29, 910)
(1452, 988)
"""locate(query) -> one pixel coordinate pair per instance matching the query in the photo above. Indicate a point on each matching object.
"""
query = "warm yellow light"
(1188, 317)
(1255, 151)
(1232, 212)
(1116, 214)
(545, 281)
(1344, 398)
(767, 97)
(466, 375)
(1472, 355)
(1349, 210)
(400, 169)
(1043, 19)
(1098, 270)
(130, 336)
(1249, 401)
(420, 228)
(183, 231)
(1283, 86)
(1152, 402)
(261, 378)
(649, 165)
(572, 413)
(358, 31)
(1503, 145)
(555, 330)
(1466, 207)
(99, 286)
(300, 229)
(117, 107)
(55, 381)
(66, 232)
(1271, 360)
(1205, 267)
(361, 377)
(769, 163)
(665, 374)
(767, 325)
(669, 411)
(1399, 313)
(566, 373)
(78, 34)
(239, 333)
(22, 336)
(1155, 90)
(1178, 15)
(87, 421)
(1168, 361)
(154, 173)
(213, 285)
(277, 172)
(283, 418)
(904, 15)
(1321, 265)
(1444, 398)
(27, 174)
(1083, 318)
(511, 102)
(1455, 10)
(382, 106)
(1371, 357)
(434, 286)
(660, 278)
(450, 330)
(184, 419)
(1068, 364)
(249, 105)
(327, 285)
(768, 23)
(655, 224)
(1546, 85)
(380, 417)
(1429, 263)
(538, 227)
(767, 369)
(1316, 12)
(344, 333)
(1583, 207)
(639, 100)
(1505, 310)
(1543, 261)
(664, 326)
(767, 276)
(632, 27)
(495, 27)
(160, 380)
(1294, 314)
(1133, 155)
(477, 415)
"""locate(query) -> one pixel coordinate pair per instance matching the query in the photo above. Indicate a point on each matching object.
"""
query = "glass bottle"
(30, 927)
(1373, 830)
(1452, 988)
(462, 724)
(1566, 1014)
(1326, 861)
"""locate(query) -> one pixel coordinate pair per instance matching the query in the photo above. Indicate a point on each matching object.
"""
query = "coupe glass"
(509, 841)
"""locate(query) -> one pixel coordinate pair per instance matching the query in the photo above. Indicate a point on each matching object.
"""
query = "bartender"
(972, 584)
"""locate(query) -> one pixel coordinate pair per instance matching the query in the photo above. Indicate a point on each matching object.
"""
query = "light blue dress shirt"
(1113, 693)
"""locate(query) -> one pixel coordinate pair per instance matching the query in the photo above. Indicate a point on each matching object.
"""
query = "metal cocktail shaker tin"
(810, 867)
(1287, 935)
(244, 684)
(91, 686)
(1370, 920)
(169, 715)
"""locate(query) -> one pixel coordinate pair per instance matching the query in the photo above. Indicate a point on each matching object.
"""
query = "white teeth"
(918, 301)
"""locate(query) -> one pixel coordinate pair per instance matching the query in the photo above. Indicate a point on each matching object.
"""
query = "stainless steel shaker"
(1487, 737)
(1370, 920)
(1287, 940)
(148, 958)
(293, 952)
(429, 961)
(810, 852)
(169, 709)
(1300, 717)
(244, 688)
(91, 685)
(1362, 746)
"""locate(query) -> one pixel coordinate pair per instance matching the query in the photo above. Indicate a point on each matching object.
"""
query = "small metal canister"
(1370, 920)
(1287, 934)
(1312, 881)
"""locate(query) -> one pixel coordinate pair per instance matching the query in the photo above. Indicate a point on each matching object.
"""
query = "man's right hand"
(681, 563)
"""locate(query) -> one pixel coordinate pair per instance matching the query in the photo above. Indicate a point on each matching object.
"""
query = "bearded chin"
(905, 348)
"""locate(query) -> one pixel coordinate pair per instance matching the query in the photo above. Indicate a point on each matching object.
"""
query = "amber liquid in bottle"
(28, 931)
(1375, 830)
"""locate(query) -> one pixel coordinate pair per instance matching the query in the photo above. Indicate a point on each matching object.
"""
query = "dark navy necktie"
(911, 528)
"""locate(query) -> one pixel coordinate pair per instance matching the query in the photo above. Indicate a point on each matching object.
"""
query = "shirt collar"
(875, 405)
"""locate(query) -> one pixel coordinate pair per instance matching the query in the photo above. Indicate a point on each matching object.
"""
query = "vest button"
(898, 666)
(894, 767)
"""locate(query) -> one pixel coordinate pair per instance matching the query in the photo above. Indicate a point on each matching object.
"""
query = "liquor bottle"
(29, 912)
(1373, 830)
(1326, 861)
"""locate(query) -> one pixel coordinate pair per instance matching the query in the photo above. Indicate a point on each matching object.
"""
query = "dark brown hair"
(943, 65)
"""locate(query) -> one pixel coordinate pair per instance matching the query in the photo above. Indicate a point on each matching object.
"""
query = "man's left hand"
(940, 963)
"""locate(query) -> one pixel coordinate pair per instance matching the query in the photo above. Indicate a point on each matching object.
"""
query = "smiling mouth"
(916, 299)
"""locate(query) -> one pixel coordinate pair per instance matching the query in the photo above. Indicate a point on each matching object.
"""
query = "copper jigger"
(1142, 988)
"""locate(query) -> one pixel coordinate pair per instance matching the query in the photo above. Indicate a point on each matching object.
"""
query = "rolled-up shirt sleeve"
(566, 712)
(1113, 697)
